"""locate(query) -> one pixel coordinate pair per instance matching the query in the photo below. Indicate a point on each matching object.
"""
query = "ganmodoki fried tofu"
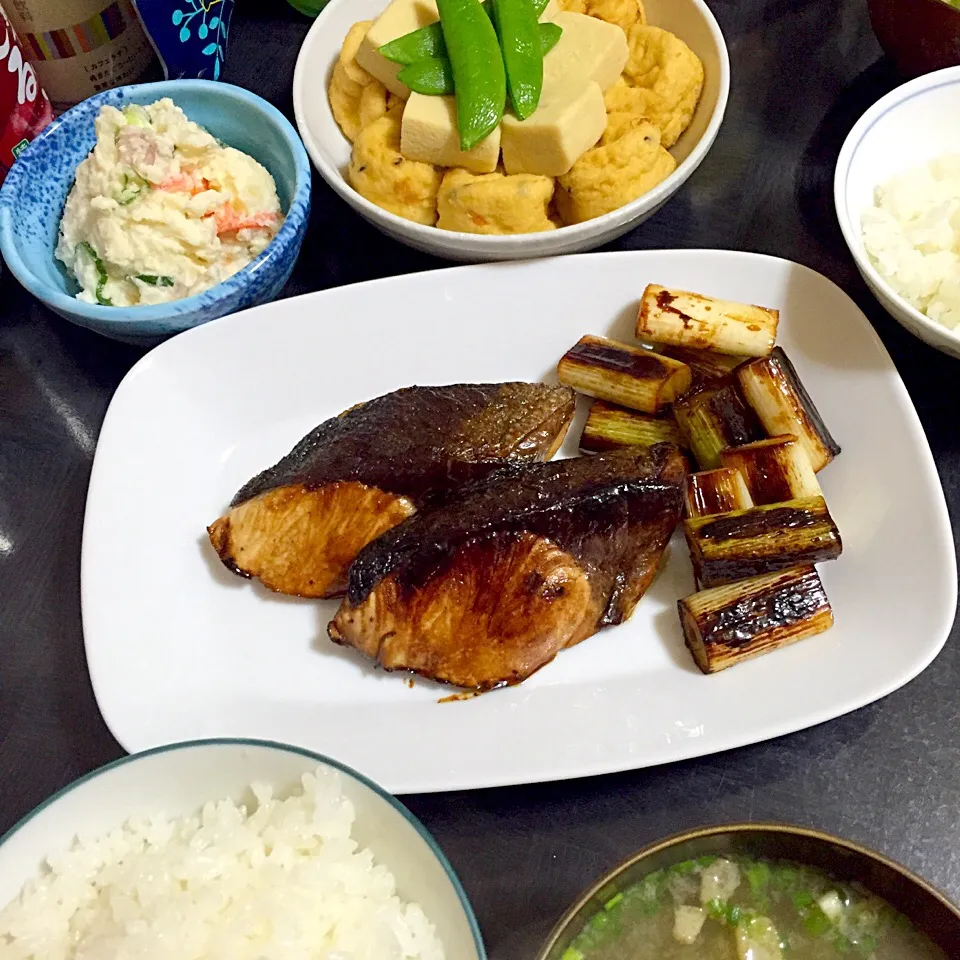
(429, 133)
(624, 13)
(379, 172)
(588, 48)
(670, 76)
(400, 18)
(570, 119)
(613, 174)
(495, 203)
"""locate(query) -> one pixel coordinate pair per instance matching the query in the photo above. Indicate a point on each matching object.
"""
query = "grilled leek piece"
(716, 491)
(686, 319)
(610, 427)
(745, 543)
(775, 469)
(713, 418)
(772, 387)
(704, 364)
(633, 377)
(726, 625)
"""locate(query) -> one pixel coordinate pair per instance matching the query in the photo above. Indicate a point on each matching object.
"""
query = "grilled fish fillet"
(482, 591)
(298, 525)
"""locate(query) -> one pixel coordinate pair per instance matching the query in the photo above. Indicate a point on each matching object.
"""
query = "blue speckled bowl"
(33, 195)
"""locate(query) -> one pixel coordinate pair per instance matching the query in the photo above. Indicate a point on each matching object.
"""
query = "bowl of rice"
(229, 848)
(897, 193)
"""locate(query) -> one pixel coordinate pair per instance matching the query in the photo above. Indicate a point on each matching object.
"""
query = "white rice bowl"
(271, 879)
(912, 236)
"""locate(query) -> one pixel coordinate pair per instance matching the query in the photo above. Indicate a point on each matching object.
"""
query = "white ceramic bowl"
(178, 779)
(910, 126)
(330, 150)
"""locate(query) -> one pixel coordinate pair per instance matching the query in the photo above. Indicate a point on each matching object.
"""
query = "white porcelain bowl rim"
(424, 834)
(488, 243)
(851, 231)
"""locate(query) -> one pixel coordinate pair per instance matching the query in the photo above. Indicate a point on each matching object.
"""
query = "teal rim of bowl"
(161, 312)
(425, 834)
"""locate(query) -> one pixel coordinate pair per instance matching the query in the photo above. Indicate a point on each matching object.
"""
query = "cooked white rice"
(273, 880)
(912, 235)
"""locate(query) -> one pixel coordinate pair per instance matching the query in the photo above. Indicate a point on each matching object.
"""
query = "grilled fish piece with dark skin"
(298, 525)
(482, 592)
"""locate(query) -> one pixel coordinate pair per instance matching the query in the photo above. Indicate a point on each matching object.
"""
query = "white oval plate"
(179, 648)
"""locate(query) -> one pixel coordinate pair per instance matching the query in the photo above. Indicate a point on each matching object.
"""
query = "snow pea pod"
(477, 63)
(427, 42)
(517, 27)
(423, 44)
(434, 76)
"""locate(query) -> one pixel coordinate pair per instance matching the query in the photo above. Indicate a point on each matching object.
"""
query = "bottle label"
(82, 37)
(24, 107)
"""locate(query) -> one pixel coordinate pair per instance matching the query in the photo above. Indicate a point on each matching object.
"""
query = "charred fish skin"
(419, 439)
(577, 544)
(297, 526)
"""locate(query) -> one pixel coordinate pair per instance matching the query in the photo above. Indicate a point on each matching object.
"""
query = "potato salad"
(161, 210)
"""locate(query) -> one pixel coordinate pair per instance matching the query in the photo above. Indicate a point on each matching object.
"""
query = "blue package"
(190, 36)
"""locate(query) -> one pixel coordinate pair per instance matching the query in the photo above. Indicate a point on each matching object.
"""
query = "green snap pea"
(549, 37)
(478, 73)
(434, 77)
(427, 42)
(423, 44)
(523, 62)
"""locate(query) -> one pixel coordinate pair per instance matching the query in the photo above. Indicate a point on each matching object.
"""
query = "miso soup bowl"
(926, 908)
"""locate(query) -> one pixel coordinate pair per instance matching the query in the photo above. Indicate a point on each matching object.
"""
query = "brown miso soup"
(739, 908)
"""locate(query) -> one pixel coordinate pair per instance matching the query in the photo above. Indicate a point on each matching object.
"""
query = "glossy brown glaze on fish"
(484, 590)
(298, 525)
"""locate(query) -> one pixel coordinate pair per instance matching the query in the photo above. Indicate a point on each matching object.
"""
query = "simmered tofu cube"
(429, 133)
(551, 10)
(589, 48)
(570, 119)
(400, 18)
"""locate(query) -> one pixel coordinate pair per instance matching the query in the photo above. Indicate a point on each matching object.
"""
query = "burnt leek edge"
(746, 543)
(713, 418)
(775, 469)
(704, 364)
(609, 427)
(716, 491)
(686, 319)
(775, 392)
(630, 376)
(726, 625)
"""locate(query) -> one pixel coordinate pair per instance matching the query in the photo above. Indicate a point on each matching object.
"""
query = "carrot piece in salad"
(229, 221)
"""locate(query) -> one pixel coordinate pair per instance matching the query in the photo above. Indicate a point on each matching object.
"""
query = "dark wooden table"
(887, 775)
